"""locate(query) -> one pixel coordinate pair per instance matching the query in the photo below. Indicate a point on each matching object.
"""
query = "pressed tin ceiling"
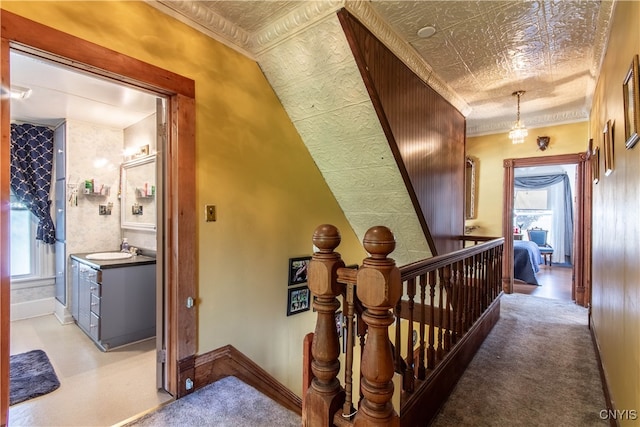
(481, 52)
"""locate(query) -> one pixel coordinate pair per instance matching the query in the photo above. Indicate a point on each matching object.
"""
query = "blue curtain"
(542, 181)
(31, 165)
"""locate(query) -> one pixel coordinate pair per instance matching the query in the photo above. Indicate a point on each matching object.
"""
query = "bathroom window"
(23, 240)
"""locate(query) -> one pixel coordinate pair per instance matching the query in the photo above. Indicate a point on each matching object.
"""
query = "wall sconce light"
(543, 142)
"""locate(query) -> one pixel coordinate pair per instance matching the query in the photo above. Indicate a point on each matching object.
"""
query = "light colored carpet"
(225, 403)
(537, 367)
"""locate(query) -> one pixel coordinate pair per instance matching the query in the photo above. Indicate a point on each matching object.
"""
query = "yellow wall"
(491, 150)
(251, 164)
(616, 230)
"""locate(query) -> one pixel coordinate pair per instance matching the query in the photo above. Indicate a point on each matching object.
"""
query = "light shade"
(518, 131)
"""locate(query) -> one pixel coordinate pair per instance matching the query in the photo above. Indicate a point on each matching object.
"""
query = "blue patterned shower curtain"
(31, 165)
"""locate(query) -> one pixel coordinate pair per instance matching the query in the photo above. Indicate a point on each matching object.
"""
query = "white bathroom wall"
(93, 152)
(139, 135)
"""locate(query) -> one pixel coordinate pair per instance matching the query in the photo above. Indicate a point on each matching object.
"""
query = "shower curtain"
(31, 166)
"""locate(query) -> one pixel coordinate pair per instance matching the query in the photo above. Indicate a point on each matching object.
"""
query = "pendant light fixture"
(518, 131)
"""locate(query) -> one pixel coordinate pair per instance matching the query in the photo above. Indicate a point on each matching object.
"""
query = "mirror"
(470, 188)
(138, 194)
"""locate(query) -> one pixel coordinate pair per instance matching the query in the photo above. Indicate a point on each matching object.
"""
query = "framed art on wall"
(631, 104)
(298, 270)
(607, 146)
(298, 300)
(595, 165)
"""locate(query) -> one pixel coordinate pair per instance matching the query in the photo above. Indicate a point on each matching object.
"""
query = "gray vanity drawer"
(95, 304)
(94, 327)
(94, 288)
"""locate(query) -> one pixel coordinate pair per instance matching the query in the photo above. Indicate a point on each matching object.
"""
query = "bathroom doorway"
(45, 42)
(99, 127)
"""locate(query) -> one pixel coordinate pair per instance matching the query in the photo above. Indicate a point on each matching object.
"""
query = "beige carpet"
(225, 403)
(537, 367)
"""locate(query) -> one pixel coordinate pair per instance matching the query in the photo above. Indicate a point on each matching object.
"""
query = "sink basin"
(109, 255)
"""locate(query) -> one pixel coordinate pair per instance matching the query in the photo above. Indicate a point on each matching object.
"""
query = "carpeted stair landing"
(225, 403)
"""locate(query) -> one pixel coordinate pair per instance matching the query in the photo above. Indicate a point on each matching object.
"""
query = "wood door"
(582, 250)
(179, 223)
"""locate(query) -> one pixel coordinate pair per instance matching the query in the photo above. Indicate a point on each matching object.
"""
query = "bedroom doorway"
(577, 248)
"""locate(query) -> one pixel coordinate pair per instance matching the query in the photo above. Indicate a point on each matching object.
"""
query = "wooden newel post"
(379, 288)
(325, 396)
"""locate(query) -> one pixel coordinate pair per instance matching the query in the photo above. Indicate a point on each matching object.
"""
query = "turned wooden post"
(379, 288)
(325, 395)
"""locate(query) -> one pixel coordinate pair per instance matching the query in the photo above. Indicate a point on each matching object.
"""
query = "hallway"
(537, 367)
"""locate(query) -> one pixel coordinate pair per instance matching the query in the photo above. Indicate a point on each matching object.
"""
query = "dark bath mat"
(31, 375)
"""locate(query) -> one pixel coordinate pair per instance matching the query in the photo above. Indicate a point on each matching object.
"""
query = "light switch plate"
(210, 213)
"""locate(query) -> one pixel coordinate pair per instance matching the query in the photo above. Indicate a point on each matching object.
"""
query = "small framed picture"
(630, 92)
(595, 165)
(298, 268)
(298, 300)
(607, 146)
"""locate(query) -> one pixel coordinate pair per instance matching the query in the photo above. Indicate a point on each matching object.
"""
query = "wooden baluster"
(482, 282)
(409, 373)
(467, 294)
(485, 281)
(325, 396)
(397, 358)
(422, 373)
(489, 285)
(490, 276)
(347, 407)
(498, 270)
(379, 289)
(473, 310)
(362, 333)
(473, 281)
(431, 355)
(444, 346)
(444, 274)
(459, 309)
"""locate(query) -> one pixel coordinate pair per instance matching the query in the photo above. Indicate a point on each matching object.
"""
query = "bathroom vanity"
(114, 301)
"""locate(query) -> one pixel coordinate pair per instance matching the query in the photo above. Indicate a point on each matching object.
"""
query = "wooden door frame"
(581, 286)
(180, 220)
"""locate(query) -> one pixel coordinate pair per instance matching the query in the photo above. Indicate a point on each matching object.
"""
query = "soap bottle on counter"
(124, 247)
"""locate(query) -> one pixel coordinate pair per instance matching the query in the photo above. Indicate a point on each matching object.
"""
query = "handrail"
(423, 266)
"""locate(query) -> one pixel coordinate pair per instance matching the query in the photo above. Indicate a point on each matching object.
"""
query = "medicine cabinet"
(138, 194)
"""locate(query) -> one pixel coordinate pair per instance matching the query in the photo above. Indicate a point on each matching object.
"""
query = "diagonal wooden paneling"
(425, 132)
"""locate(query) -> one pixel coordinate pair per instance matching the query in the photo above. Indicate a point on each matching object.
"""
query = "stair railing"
(453, 291)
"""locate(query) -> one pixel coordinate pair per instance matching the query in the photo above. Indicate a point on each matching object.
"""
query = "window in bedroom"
(531, 210)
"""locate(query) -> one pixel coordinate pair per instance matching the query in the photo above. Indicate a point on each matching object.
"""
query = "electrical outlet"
(210, 213)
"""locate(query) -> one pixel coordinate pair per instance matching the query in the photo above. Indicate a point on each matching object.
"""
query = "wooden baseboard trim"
(228, 361)
(423, 405)
(603, 376)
